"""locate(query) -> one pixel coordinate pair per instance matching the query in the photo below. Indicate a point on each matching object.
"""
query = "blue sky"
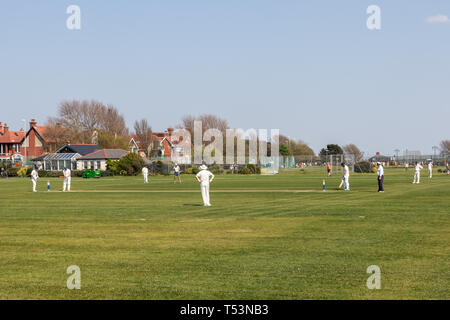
(310, 68)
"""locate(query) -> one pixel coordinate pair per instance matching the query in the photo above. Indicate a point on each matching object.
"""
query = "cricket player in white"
(34, 177)
(205, 177)
(145, 174)
(430, 169)
(176, 173)
(417, 169)
(345, 177)
(67, 178)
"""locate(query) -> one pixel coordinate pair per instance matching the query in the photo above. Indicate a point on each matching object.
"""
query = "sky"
(309, 68)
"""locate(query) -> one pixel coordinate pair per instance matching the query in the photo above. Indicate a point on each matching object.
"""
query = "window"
(99, 166)
(85, 164)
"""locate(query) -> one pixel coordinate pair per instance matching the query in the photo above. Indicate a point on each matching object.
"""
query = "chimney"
(5, 128)
(33, 123)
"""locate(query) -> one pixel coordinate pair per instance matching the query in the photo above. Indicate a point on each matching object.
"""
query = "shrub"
(195, 170)
(254, 169)
(131, 165)
(363, 167)
(77, 173)
(49, 174)
(12, 172)
(244, 170)
(216, 169)
(106, 173)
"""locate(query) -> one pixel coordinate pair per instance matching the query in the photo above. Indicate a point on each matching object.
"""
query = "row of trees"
(81, 122)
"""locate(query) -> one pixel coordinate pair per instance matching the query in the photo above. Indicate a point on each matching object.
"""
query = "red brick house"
(16, 145)
(10, 143)
(163, 147)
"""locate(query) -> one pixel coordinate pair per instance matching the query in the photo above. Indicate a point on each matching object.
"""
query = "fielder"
(67, 178)
(205, 177)
(34, 177)
(430, 169)
(176, 173)
(145, 174)
(417, 169)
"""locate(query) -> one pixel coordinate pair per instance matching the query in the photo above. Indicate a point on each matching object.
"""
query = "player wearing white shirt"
(34, 177)
(417, 169)
(67, 177)
(380, 177)
(345, 177)
(205, 177)
(145, 174)
(430, 169)
(176, 173)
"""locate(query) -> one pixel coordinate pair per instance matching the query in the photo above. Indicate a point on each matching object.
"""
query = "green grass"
(248, 245)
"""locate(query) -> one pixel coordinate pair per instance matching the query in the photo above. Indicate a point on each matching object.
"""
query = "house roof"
(58, 156)
(11, 136)
(104, 154)
(82, 149)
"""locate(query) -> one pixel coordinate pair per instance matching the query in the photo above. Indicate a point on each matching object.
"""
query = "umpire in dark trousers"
(380, 176)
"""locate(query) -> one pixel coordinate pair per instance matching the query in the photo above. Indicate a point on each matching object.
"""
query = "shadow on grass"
(192, 205)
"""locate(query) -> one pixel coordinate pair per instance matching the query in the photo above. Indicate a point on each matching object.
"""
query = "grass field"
(261, 239)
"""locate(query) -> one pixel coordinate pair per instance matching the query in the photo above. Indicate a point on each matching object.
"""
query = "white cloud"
(440, 18)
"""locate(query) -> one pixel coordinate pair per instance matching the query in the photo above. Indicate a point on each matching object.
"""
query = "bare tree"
(143, 133)
(445, 146)
(209, 121)
(82, 118)
(353, 150)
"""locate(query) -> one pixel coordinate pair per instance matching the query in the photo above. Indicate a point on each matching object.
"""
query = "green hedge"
(364, 167)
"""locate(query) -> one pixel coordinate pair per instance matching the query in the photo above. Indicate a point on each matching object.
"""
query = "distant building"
(380, 158)
(97, 159)
(78, 157)
(166, 146)
(18, 145)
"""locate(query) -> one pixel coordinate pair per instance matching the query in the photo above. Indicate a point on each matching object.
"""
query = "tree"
(143, 133)
(209, 121)
(55, 136)
(87, 116)
(331, 149)
(284, 150)
(352, 149)
(107, 140)
(300, 148)
(445, 146)
(78, 121)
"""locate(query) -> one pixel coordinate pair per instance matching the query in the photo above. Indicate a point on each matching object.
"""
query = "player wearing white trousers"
(430, 170)
(346, 176)
(34, 177)
(67, 179)
(145, 174)
(417, 169)
(205, 177)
